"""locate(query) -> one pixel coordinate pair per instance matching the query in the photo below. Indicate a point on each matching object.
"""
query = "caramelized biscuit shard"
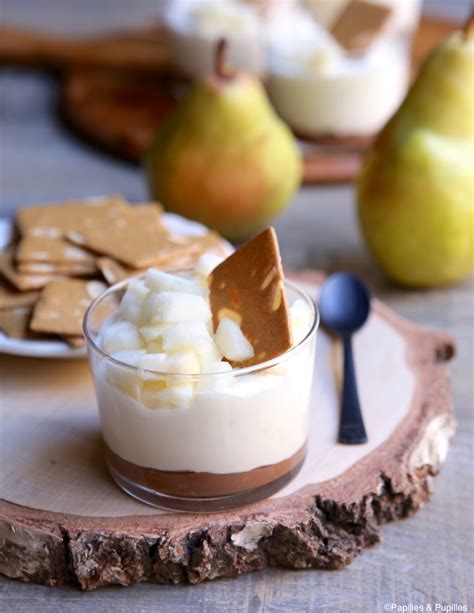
(359, 24)
(248, 287)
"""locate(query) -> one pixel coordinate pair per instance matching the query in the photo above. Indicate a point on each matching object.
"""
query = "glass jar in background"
(329, 94)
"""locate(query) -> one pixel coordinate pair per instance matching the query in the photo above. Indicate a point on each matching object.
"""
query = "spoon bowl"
(344, 303)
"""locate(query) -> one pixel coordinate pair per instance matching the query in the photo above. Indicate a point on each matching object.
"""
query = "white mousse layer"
(320, 89)
(329, 93)
(223, 422)
(254, 420)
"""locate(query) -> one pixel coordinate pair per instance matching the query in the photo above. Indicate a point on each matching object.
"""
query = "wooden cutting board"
(63, 520)
(112, 97)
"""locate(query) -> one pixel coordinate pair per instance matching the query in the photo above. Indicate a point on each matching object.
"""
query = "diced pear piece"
(210, 356)
(216, 367)
(212, 379)
(137, 290)
(130, 357)
(156, 384)
(183, 363)
(300, 320)
(207, 262)
(219, 367)
(175, 307)
(121, 335)
(176, 396)
(149, 308)
(121, 377)
(155, 347)
(160, 281)
(153, 332)
(131, 305)
(232, 342)
(187, 336)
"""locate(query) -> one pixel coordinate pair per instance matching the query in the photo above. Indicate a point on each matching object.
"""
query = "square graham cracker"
(359, 24)
(11, 298)
(54, 251)
(137, 239)
(62, 305)
(23, 282)
(55, 220)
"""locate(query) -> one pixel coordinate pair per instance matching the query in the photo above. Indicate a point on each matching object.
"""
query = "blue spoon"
(344, 306)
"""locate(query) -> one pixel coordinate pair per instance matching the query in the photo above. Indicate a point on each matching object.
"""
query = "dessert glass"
(241, 439)
(349, 99)
(337, 97)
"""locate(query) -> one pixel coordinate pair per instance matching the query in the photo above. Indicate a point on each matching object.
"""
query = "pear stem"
(221, 67)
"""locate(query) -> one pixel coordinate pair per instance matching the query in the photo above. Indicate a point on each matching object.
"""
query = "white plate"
(57, 348)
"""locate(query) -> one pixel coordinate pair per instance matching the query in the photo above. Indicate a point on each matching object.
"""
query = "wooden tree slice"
(63, 520)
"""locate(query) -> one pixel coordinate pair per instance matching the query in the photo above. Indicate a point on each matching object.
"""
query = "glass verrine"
(239, 437)
(337, 89)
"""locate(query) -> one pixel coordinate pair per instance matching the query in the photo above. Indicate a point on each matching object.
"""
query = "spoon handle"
(351, 425)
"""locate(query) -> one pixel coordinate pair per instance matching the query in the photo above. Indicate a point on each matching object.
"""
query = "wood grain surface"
(75, 527)
(423, 561)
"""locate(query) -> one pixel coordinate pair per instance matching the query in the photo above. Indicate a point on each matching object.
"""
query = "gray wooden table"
(422, 561)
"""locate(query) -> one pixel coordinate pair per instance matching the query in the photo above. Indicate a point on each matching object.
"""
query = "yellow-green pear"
(223, 157)
(416, 187)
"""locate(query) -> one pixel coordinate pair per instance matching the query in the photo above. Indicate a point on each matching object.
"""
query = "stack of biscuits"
(64, 255)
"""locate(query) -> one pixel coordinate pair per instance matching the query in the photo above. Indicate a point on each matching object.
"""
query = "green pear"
(223, 157)
(416, 187)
